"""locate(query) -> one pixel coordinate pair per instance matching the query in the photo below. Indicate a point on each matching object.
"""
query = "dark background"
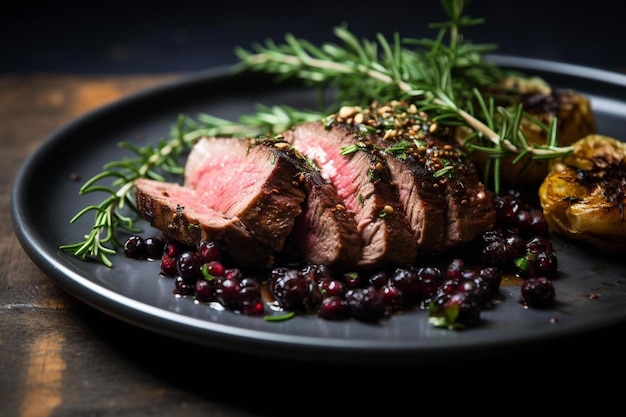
(185, 36)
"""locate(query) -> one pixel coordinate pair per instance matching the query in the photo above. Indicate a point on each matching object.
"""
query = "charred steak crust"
(362, 182)
(251, 180)
(174, 210)
(439, 187)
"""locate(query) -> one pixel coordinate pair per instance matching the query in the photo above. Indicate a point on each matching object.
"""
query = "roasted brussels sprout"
(584, 195)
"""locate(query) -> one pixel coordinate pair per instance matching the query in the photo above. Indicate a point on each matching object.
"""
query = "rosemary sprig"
(156, 162)
(446, 80)
(102, 240)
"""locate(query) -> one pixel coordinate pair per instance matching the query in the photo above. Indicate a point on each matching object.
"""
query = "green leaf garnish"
(280, 317)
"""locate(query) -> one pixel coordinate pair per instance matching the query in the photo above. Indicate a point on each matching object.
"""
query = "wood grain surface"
(60, 357)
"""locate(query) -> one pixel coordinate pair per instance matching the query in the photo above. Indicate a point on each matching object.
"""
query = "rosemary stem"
(154, 158)
(485, 130)
(403, 86)
(330, 65)
(260, 59)
(495, 138)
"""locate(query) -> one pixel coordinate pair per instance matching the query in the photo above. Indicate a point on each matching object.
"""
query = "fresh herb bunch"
(446, 77)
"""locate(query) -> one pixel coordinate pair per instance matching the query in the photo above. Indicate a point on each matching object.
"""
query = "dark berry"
(188, 265)
(431, 279)
(469, 307)
(495, 253)
(293, 291)
(546, 264)
(168, 266)
(253, 307)
(538, 292)
(379, 279)
(407, 280)
(392, 297)
(204, 290)
(173, 249)
(490, 279)
(523, 220)
(208, 251)
(455, 268)
(515, 246)
(538, 224)
(332, 287)
(135, 247)
(214, 269)
(234, 273)
(334, 308)
(455, 305)
(154, 247)
(183, 286)
(227, 293)
(250, 299)
(366, 304)
(492, 236)
(538, 244)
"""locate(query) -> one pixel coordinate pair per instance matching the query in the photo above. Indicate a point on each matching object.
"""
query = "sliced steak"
(179, 214)
(470, 210)
(254, 182)
(439, 187)
(326, 232)
(422, 203)
(362, 182)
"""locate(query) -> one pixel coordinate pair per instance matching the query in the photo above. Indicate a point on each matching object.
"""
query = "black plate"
(45, 198)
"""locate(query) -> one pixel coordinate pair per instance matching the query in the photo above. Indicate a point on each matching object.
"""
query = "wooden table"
(60, 357)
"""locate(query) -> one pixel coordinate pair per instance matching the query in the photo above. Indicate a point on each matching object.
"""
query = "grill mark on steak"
(248, 180)
(176, 211)
(363, 185)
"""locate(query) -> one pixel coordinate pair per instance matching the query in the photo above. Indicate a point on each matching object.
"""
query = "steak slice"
(326, 232)
(252, 181)
(421, 201)
(362, 184)
(471, 210)
(178, 213)
(469, 206)
(439, 187)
